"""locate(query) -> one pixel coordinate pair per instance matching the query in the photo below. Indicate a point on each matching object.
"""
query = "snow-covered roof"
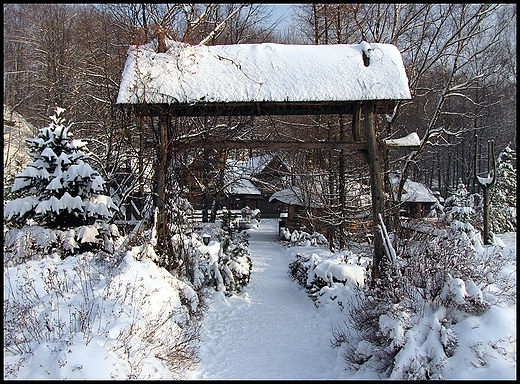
(293, 196)
(409, 141)
(245, 73)
(414, 192)
(242, 187)
(248, 167)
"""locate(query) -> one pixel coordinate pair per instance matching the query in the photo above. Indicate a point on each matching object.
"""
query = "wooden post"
(164, 244)
(160, 177)
(485, 185)
(376, 183)
(356, 122)
(161, 164)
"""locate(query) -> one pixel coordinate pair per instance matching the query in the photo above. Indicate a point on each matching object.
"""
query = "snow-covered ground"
(271, 330)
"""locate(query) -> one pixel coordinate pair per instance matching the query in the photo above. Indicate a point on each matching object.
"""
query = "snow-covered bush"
(235, 263)
(224, 264)
(33, 242)
(303, 238)
(438, 279)
(59, 190)
(503, 193)
(315, 272)
(134, 314)
(463, 211)
(461, 205)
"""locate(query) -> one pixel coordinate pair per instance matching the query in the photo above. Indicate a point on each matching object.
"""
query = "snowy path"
(272, 330)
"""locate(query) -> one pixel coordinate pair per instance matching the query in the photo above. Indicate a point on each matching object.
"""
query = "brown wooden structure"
(363, 95)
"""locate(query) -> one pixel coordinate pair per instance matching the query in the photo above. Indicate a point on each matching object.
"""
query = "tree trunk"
(206, 198)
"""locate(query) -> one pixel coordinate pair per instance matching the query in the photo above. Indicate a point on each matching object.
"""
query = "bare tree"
(456, 55)
(444, 79)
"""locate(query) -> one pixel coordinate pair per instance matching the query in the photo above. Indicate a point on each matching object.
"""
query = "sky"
(271, 330)
(282, 12)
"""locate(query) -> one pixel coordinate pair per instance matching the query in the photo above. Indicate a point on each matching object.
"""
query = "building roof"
(293, 196)
(249, 73)
(413, 192)
(242, 186)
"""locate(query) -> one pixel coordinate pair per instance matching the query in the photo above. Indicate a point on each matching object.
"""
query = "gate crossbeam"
(252, 144)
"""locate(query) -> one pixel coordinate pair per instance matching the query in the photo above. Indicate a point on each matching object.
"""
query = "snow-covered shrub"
(224, 264)
(303, 238)
(132, 312)
(315, 272)
(299, 269)
(235, 263)
(28, 242)
(438, 279)
(463, 211)
(59, 190)
(461, 205)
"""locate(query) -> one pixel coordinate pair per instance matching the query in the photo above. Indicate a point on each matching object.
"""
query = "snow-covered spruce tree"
(503, 193)
(58, 190)
(460, 205)
(462, 210)
(235, 263)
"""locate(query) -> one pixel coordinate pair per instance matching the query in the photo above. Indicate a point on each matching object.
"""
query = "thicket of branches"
(460, 61)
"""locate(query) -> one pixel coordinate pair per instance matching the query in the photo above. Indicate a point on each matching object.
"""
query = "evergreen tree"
(58, 189)
(461, 205)
(461, 210)
(503, 193)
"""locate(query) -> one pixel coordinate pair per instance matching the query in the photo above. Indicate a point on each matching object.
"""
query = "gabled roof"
(249, 166)
(293, 196)
(273, 73)
(252, 166)
(413, 192)
(241, 174)
(242, 186)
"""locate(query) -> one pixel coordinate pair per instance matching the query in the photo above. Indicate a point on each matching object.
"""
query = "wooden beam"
(356, 122)
(259, 108)
(402, 147)
(219, 144)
